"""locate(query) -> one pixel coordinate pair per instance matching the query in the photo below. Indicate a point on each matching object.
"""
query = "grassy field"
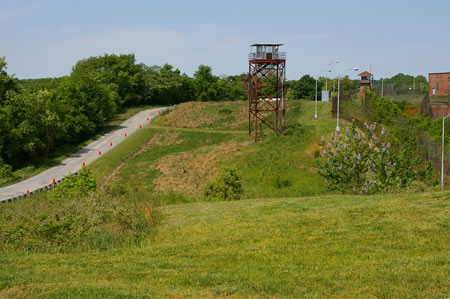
(62, 152)
(279, 241)
(326, 246)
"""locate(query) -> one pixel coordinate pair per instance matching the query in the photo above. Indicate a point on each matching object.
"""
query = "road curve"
(87, 154)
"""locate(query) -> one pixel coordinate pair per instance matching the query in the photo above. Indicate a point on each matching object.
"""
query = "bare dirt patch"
(188, 172)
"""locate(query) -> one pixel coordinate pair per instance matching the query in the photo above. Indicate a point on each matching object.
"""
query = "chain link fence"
(361, 110)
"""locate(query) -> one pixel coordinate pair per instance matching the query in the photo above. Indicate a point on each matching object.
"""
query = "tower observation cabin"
(266, 90)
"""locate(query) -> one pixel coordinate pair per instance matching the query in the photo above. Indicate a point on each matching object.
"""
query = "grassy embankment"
(180, 152)
(343, 246)
(64, 151)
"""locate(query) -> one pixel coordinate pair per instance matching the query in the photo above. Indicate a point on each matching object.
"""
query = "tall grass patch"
(74, 217)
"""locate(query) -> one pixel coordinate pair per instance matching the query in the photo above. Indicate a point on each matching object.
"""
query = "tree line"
(305, 87)
(37, 115)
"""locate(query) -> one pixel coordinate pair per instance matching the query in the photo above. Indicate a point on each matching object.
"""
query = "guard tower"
(266, 90)
(365, 83)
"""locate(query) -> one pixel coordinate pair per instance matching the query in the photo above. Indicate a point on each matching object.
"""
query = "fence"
(361, 110)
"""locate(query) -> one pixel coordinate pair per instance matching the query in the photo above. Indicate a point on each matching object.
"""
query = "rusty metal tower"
(266, 90)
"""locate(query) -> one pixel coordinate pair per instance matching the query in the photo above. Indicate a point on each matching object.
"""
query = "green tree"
(305, 88)
(121, 71)
(164, 85)
(349, 87)
(205, 84)
(6, 82)
(88, 103)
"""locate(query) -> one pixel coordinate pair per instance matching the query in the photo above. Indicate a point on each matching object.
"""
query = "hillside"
(150, 232)
(182, 151)
(326, 246)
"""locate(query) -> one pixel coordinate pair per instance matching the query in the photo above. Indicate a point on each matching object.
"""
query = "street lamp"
(382, 86)
(315, 104)
(339, 93)
(326, 74)
(443, 150)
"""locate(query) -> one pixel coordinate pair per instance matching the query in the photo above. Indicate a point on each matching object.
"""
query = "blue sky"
(46, 38)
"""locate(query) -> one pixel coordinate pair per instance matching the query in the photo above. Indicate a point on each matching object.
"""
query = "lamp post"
(315, 101)
(326, 74)
(339, 93)
(443, 150)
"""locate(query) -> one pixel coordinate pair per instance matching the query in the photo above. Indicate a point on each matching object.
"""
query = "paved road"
(87, 154)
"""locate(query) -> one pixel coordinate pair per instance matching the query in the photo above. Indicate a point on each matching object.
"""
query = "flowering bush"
(360, 162)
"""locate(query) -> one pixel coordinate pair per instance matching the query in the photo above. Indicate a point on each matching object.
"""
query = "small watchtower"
(364, 83)
(266, 89)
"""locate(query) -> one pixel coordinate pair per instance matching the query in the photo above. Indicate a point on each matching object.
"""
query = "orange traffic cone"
(84, 164)
(54, 181)
(28, 191)
(110, 144)
(125, 134)
(147, 117)
(140, 126)
(99, 153)
(159, 112)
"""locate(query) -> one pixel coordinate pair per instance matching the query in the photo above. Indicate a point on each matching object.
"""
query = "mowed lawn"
(326, 246)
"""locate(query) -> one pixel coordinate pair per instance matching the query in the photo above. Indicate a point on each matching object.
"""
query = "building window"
(437, 83)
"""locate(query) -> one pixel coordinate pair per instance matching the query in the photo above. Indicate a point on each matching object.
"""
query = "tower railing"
(268, 55)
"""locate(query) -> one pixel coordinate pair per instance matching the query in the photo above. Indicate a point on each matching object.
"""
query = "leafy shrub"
(383, 110)
(361, 162)
(75, 185)
(227, 186)
(6, 172)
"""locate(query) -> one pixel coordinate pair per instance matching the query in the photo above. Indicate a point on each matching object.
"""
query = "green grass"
(64, 151)
(289, 158)
(386, 246)
(272, 243)
(261, 166)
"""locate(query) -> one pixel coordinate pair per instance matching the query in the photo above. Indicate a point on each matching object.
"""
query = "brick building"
(439, 83)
